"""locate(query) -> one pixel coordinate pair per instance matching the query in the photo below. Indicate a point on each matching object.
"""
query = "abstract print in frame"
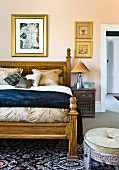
(29, 35)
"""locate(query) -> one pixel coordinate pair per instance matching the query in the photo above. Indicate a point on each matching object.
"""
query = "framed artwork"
(29, 35)
(83, 49)
(83, 30)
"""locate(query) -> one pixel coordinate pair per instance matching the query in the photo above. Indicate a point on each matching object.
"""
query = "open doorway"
(112, 41)
(103, 62)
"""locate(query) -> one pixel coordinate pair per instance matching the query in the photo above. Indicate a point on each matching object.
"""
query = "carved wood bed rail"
(28, 130)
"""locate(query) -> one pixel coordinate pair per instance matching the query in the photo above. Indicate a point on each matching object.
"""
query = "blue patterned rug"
(41, 155)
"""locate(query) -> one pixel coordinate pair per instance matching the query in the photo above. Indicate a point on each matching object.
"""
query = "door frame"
(103, 61)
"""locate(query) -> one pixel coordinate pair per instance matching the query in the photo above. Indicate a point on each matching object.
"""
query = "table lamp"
(80, 68)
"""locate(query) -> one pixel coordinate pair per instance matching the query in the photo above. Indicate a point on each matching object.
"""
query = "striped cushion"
(13, 79)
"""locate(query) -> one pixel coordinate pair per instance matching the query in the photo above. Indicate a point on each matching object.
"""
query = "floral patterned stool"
(102, 145)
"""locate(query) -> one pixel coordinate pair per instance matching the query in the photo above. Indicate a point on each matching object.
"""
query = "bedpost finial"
(73, 105)
(68, 51)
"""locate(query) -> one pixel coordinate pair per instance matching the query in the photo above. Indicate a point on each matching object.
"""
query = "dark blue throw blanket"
(31, 98)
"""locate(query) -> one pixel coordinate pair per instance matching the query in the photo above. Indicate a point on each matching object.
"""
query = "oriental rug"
(42, 155)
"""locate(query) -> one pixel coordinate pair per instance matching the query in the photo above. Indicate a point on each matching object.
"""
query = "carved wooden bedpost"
(72, 127)
(72, 130)
(68, 58)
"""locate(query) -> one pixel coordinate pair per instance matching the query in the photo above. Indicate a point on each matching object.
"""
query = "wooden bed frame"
(17, 130)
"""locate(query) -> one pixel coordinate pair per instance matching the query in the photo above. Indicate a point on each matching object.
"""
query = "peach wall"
(62, 15)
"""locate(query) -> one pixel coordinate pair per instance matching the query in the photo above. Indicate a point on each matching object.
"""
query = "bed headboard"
(27, 67)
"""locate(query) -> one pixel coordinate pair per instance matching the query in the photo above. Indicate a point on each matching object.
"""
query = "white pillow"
(36, 77)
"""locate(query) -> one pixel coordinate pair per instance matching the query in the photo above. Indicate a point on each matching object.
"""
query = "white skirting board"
(97, 106)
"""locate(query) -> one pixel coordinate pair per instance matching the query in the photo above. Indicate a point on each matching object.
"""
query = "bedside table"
(85, 101)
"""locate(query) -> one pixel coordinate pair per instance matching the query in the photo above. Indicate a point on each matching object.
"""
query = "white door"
(112, 65)
(103, 61)
(109, 65)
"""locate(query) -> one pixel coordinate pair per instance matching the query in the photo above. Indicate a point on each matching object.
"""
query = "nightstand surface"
(85, 101)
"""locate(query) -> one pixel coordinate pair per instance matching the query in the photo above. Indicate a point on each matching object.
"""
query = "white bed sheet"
(63, 89)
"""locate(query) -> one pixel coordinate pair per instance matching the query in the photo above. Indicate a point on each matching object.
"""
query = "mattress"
(35, 114)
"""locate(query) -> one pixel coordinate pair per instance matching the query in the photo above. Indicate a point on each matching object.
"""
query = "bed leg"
(73, 130)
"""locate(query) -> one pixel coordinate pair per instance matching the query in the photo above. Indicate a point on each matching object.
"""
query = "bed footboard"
(20, 130)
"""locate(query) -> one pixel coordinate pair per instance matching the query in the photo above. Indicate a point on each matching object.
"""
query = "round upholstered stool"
(102, 145)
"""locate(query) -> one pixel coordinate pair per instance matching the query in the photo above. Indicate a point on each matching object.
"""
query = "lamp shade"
(80, 67)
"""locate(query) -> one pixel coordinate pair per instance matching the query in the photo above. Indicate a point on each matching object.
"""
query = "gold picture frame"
(29, 35)
(83, 49)
(83, 30)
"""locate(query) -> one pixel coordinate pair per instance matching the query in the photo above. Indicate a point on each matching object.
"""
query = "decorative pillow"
(36, 77)
(48, 77)
(5, 72)
(13, 79)
(61, 81)
(24, 83)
